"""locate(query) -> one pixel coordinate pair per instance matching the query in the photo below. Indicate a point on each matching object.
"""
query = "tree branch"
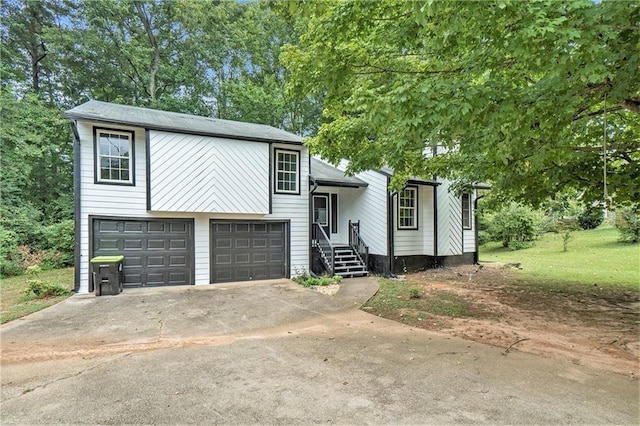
(381, 70)
(632, 105)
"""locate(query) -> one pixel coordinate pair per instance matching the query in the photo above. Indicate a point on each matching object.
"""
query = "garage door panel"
(243, 251)
(135, 227)
(156, 252)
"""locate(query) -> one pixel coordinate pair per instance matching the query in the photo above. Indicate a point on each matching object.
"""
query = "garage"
(249, 250)
(158, 252)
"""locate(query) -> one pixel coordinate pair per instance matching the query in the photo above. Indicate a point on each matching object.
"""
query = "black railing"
(357, 244)
(326, 250)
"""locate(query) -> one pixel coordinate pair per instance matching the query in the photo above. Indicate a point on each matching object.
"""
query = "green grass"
(15, 304)
(594, 257)
(405, 301)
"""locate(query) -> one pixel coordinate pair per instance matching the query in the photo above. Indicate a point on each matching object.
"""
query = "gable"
(191, 173)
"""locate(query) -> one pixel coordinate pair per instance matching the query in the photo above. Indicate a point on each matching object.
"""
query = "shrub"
(309, 281)
(9, 268)
(39, 289)
(520, 245)
(628, 223)
(591, 217)
(515, 224)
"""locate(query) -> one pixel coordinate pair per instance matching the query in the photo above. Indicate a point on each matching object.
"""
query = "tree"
(512, 93)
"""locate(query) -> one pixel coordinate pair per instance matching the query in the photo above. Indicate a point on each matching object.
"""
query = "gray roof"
(105, 112)
(326, 175)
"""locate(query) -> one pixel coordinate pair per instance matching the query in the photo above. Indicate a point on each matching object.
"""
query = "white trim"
(413, 208)
(287, 174)
(99, 156)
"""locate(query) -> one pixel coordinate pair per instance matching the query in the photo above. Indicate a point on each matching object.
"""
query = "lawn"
(593, 257)
(14, 303)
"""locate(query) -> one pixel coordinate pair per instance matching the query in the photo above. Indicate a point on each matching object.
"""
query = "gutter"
(315, 187)
(390, 235)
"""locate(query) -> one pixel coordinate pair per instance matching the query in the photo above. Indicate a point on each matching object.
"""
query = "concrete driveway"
(276, 353)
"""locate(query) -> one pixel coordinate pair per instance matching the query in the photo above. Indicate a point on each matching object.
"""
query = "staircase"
(348, 263)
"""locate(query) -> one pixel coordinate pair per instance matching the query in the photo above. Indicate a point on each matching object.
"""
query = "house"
(422, 226)
(197, 200)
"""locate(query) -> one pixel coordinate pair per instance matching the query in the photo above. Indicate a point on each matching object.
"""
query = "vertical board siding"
(449, 222)
(469, 235)
(203, 174)
(370, 208)
(120, 201)
(408, 242)
(295, 208)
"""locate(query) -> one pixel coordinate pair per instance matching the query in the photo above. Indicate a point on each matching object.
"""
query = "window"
(287, 172)
(114, 156)
(408, 208)
(466, 211)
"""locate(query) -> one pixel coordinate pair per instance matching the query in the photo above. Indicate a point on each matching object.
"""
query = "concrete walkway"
(274, 352)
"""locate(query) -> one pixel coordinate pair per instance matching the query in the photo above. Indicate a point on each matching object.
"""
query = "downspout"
(315, 186)
(390, 236)
(435, 223)
(76, 207)
(435, 212)
(476, 254)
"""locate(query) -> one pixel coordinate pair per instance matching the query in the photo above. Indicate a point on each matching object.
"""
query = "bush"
(514, 225)
(309, 281)
(628, 223)
(9, 268)
(591, 217)
(39, 289)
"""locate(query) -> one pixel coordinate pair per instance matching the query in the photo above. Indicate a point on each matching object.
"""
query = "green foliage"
(511, 93)
(591, 217)
(414, 293)
(309, 281)
(566, 238)
(516, 226)
(627, 221)
(37, 289)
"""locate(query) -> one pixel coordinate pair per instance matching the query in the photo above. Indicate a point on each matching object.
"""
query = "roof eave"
(89, 117)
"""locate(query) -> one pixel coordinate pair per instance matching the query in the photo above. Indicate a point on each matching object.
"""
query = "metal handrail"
(326, 249)
(357, 243)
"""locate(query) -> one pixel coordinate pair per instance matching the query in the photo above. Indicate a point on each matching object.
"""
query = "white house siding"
(105, 199)
(450, 241)
(409, 242)
(469, 235)
(370, 208)
(191, 173)
(119, 201)
(296, 209)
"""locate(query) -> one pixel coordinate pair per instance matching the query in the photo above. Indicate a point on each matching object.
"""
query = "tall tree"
(514, 93)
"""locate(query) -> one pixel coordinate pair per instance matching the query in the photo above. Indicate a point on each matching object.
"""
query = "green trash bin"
(107, 274)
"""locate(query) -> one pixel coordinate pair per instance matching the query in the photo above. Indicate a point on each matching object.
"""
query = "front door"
(321, 212)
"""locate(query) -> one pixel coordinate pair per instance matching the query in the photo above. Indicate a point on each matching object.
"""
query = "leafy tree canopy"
(518, 94)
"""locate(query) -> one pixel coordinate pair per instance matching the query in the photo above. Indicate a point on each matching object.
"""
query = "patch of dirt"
(587, 325)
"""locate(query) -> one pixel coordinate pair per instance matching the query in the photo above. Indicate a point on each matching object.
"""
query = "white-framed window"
(466, 211)
(408, 208)
(287, 172)
(114, 156)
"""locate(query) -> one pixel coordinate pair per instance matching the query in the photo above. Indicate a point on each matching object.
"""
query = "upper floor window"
(287, 171)
(466, 211)
(408, 208)
(114, 156)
